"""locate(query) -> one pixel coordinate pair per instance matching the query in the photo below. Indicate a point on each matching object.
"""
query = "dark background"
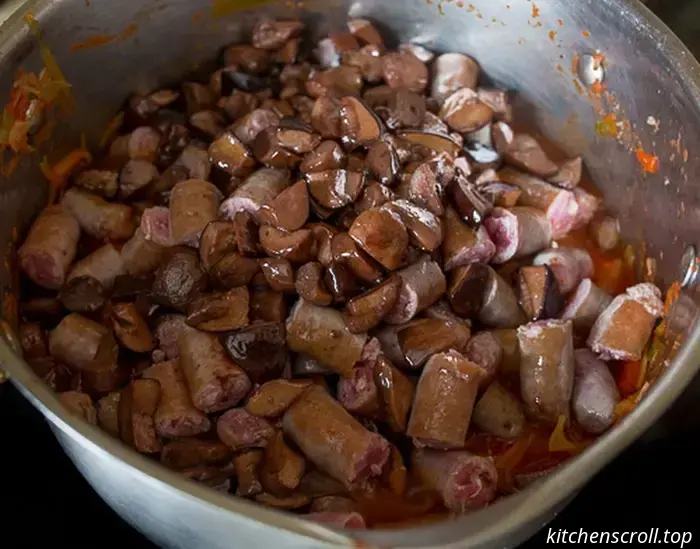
(44, 500)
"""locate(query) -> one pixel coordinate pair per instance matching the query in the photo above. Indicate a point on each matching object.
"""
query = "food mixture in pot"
(342, 284)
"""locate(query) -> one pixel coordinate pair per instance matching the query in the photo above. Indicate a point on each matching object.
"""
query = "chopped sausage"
(421, 338)
(464, 481)
(560, 205)
(451, 72)
(328, 155)
(396, 392)
(358, 124)
(271, 34)
(333, 440)
(282, 468)
(444, 400)
(167, 334)
(193, 204)
(485, 350)
(50, 247)
(135, 176)
(176, 415)
(197, 97)
(215, 382)
(569, 265)
(623, 329)
(130, 328)
(102, 182)
(526, 153)
(98, 218)
(104, 265)
(588, 207)
(274, 397)
(220, 312)
(518, 232)
(569, 174)
(108, 413)
(82, 344)
(585, 305)
(156, 226)
(377, 301)
(217, 240)
(595, 393)
(502, 195)
(322, 333)
(247, 465)
(499, 413)
(178, 280)
(336, 82)
(382, 235)
(289, 210)
(547, 368)
(538, 292)
(500, 308)
(423, 284)
(358, 392)
(260, 350)
(239, 430)
(267, 306)
(80, 405)
(472, 205)
(137, 406)
(462, 244)
(190, 452)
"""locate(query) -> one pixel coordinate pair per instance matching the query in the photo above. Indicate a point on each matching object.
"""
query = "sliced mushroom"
(245, 232)
(358, 124)
(220, 312)
(130, 328)
(233, 270)
(382, 235)
(218, 239)
(383, 162)
(228, 154)
(310, 285)
(336, 82)
(340, 282)
(274, 397)
(296, 246)
(464, 113)
(404, 70)
(260, 350)
(472, 205)
(433, 141)
(289, 210)
(279, 274)
(467, 289)
(335, 188)
(421, 338)
(268, 150)
(83, 294)
(297, 136)
(327, 156)
(538, 292)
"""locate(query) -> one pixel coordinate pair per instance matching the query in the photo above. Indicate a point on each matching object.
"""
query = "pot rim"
(526, 507)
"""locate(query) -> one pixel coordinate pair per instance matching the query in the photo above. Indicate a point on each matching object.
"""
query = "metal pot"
(653, 87)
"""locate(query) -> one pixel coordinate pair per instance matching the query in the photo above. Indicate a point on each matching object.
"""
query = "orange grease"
(103, 39)
(552, 35)
(586, 34)
(649, 162)
(535, 11)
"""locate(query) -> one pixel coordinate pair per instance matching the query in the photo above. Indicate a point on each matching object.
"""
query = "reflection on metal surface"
(689, 268)
(591, 69)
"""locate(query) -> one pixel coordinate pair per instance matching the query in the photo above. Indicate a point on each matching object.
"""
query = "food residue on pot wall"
(98, 40)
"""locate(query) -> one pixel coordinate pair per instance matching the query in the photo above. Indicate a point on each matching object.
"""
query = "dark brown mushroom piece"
(330, 50)
(464, 113)
(289, 210)
(368, 60)
(345, 250)
(335, 189)
(260, 350)
(310, 284)
(267, 306)
(282, 468)
(198, 97)
(569, 174)
(207, 124)
(271, 34)
(382, 236)
(502, 195)
(245, 231)
(424, 189)
(358, 124)
(380, 299)
(329, 155)
(228, 154)
(538, 292)
(279, 274)
(526, 153)
(83, 294)
(424, 227)
(217, 240)
(178, 280)
(421, 338)
(396, 392)
(366, 32)
(297, 136)
(340, 282)
(471, 204)
(130, 328)
(467, 289)
(249, 58)
(431, 141)
(373, 196)
(323, 235)
(273, 398)
(233, 270)
(247, 465)
(325, 117)
(220, 312)
(33, 341)
(296, 246)
(405, 109)
(238, 104)
(383, 162)
(249, 126)
(336, 82)
(268, 150)
(451, 72)
(404, 70)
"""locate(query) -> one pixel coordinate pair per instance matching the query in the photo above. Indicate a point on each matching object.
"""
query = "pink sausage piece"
(358, 393)
(585, 305)
(240, 430)
(423, 284)
(193, 204)
(588, 206)
(259, 189)
(155, 226)
(569, 265)
(48, 251)
(518, 232)
(466, 482)
(623, 329)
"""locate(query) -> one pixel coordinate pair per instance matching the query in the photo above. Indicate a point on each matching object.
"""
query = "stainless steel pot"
(653, 88)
